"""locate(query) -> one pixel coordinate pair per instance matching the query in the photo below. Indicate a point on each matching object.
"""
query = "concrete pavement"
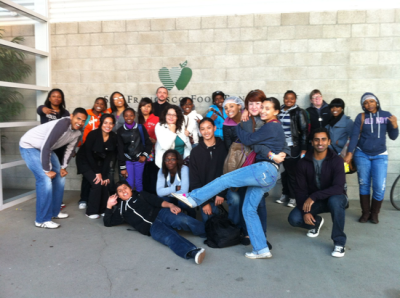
(85, 259)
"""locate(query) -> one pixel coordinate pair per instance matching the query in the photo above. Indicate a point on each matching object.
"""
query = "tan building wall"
(343, 53)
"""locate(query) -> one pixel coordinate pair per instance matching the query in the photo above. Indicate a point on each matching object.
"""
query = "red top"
(151, 125)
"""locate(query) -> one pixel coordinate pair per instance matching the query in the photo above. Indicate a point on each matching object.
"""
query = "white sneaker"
(292, 203)
(338, 251)
(61, 215)
(200, 256)
(47, 225)
(282, 199)
(315, 231)
(93, 216)
(82, 205)
(252, 255)
(184, 199)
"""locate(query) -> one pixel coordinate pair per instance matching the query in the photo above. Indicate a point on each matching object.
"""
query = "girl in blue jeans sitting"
(259, 177)
(371, 156)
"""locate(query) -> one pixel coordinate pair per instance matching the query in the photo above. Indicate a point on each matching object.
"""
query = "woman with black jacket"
(93, 161)
(294, 124)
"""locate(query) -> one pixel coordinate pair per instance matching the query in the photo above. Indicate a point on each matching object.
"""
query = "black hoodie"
(319, 117)
(140, 211)
(206, 164)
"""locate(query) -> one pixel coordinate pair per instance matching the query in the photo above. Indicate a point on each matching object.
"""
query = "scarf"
(130, 126)
(336, 119)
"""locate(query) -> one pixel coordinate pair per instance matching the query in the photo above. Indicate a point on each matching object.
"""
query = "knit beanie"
(368, 96)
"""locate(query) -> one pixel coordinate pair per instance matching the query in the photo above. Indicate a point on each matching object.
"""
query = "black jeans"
(335, 205)
(289, 175)
(98, 195)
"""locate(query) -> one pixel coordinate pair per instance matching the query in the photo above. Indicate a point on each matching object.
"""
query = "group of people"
(170, 160)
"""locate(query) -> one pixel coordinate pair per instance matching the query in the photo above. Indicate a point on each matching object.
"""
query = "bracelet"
(271, 155)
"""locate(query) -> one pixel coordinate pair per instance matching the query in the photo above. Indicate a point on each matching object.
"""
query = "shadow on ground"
(85, 259)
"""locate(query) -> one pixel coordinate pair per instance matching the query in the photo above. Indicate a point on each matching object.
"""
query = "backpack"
(221, 232)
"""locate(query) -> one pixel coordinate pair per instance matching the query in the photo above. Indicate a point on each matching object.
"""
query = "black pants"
(85, 190)
(98, 195)
(289, 175)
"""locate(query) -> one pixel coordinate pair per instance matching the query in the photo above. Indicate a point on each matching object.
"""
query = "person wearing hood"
(217, 113)
(318, 112)
(368, 141)
(340, 126)
(294, 124)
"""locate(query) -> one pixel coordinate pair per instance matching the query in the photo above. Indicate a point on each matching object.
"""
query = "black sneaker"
(338, 251)
(315, 231)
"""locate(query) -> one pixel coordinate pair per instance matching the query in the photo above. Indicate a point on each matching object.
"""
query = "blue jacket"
(270, 135)
(340, 133)
(218, 122)
(372, 140)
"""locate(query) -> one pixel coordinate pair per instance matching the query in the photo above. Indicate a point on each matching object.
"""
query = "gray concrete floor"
(85, 259)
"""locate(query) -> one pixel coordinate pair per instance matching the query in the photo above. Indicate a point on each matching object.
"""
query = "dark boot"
(365, 208)
(375, 208)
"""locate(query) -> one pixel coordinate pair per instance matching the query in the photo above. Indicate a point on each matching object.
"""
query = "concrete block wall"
(342, 53)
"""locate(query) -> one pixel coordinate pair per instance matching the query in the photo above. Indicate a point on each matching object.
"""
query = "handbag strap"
(362, 123)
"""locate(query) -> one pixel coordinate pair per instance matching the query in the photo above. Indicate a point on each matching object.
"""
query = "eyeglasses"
(118, 98)
(316, 97)
(172, 115)
(169, 159)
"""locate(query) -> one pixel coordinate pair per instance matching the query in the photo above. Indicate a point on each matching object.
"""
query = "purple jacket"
(333, 178)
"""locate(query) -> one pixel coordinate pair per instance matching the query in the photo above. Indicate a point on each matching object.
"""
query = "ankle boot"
(375, 208)
(365, 208)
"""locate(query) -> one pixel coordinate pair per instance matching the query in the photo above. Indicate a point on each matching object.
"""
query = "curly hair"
(179, 114)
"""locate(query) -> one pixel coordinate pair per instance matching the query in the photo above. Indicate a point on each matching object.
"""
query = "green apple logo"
(175, 76)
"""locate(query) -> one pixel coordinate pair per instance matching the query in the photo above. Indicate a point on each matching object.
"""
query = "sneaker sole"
(279, 202)
(290, 205)
(81, 208)
(201, 257)
(44, 227)
(185, 201)
(258, 257)
(320, 226)
(88, 216)
(338, 256)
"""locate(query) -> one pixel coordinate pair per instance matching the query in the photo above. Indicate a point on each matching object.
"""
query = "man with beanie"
(368, 142)
(321, 188)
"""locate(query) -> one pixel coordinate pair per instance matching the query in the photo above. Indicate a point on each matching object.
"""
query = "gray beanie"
(368, 96)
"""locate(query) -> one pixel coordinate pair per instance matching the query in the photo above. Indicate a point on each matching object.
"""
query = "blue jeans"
(234, 214)
(49, 192)
(190, 211)
(371, 167)
(162, 230)
(336, 205)
(259, 178)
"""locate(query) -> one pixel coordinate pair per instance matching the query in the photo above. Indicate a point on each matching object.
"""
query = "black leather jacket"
(298, 127)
